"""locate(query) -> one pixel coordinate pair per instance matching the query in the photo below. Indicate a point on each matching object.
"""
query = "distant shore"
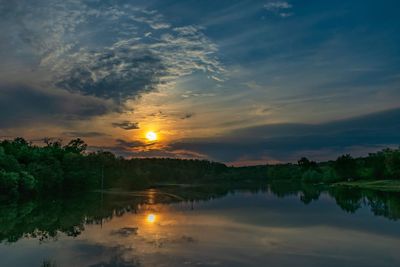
(381, 185)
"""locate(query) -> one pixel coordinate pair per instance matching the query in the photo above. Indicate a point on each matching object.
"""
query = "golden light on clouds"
(151, 136)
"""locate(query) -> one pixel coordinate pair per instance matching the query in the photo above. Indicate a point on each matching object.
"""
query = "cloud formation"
(280, 8)
(288, 142)
(80, 67)
(126, 125)
(25, 106)
(109, 50)
(84, 134)
(126, 145)
(187, 116)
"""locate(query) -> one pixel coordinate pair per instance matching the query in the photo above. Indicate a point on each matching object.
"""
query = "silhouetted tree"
(345, 167)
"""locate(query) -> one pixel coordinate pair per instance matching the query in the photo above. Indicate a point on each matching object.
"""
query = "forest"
(28, 170)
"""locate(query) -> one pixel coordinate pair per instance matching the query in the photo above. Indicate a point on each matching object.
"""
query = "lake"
(271, 225)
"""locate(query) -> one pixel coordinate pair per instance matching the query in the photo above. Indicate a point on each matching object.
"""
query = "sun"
(151, 136)
(151, 218)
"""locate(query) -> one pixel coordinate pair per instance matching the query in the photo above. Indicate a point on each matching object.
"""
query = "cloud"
(125, 148)
(24, 105)
(189, 94)
(279, 8)
(126, 145)
(105, 50)
(187, 116)
(84, 134)
(273, 6)
(126, 125)
(115, 72)
(288, 142)
(139, 149)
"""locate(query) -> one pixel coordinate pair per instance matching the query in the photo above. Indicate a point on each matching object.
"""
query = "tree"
(346, 167)
(77, 146)
(305, 164)
(392, 163)
(9, 183)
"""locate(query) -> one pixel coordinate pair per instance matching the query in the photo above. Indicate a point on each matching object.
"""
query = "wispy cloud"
(84, 134)
(111, 50)
(281, 8)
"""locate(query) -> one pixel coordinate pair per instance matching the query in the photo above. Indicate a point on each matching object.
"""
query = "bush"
(311, 176)
(9, 183)
(329, 175)
(393, 163)
(8, 162)
(346, 167)
(27, 183)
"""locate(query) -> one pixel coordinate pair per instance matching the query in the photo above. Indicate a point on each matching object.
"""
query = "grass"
(382, 185)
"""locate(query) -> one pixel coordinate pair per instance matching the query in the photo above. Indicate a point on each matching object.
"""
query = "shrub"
(27, 183)
(329, 175)
(311, 176)
(9, 183)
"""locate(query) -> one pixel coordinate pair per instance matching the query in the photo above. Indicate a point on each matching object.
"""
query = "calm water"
(276, 226)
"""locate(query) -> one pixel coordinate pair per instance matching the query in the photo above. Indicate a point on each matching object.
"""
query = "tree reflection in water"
(44, 218)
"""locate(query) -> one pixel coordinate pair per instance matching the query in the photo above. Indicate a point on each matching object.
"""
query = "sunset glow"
(151, 136)
(151, 218)
(197, 133)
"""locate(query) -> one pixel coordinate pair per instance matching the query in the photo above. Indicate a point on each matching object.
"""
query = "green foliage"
(26, 183)
(305, 164)
(284, 172)
(329, 175)
(382, 165)
(51, 169)
(392, 163)
(9, 183)
(8, 162)
(311, 176)
(345, 167)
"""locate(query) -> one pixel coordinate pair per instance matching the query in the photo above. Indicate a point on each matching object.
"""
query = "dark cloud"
(126, 125)
(127, 149)
(159, 114)
(286, 142)
(25, 105)
(84, 134)
(125, 145)
(128, 72)
(187, 116)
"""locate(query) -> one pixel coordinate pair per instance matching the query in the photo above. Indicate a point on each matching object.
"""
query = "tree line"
(27, 170)
(382, 165)
(53, 169)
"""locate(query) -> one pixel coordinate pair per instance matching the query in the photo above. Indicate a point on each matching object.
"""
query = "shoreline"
(379, 185)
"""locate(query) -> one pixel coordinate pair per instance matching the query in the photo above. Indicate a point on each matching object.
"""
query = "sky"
(242, 82)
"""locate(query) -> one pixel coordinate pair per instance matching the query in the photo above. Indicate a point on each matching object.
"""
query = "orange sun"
(151, 218)
(151, 136)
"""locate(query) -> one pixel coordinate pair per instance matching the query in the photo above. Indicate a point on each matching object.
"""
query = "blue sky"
(199, 72)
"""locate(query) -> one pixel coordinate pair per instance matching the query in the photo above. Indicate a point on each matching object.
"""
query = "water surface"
(279, 225)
